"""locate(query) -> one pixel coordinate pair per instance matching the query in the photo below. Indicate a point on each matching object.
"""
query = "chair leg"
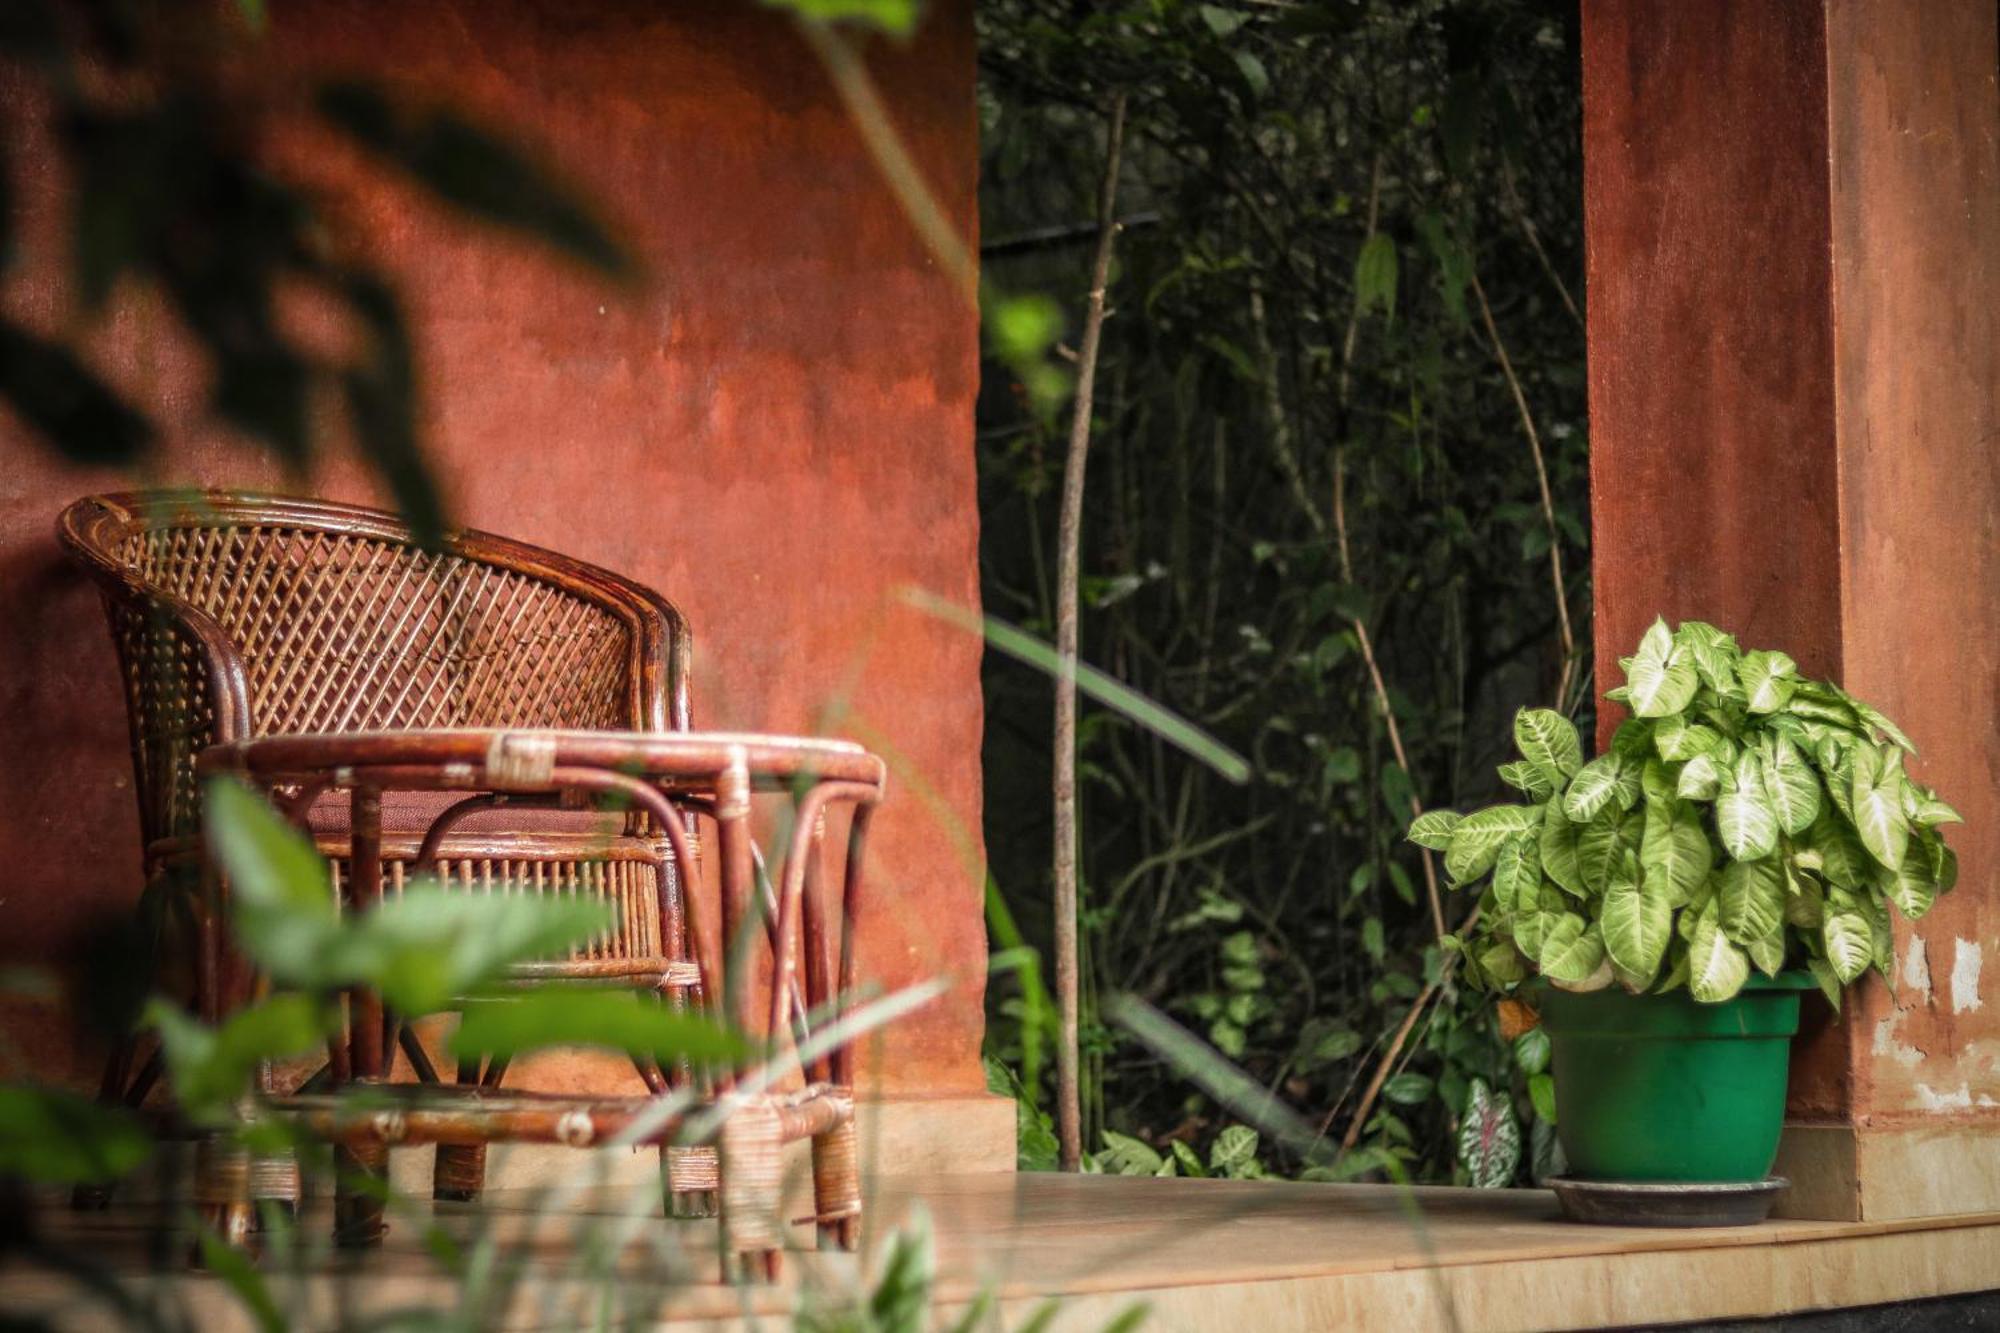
(688, 1178)
(222, 1191)
(274, 1176)
(752, 1182)
(837, 1187)
(460, 1173)
(361, 1177)
(111, 1092)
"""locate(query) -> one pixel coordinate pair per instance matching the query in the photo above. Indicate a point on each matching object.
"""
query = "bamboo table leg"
(361, 1169)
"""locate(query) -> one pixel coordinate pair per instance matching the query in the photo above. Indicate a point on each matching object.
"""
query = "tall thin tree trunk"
(1069, 1119)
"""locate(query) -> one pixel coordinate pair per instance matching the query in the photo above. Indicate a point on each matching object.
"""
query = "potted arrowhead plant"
(1742, 840)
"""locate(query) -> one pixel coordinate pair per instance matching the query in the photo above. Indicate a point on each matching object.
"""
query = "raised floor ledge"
(1199, 1254)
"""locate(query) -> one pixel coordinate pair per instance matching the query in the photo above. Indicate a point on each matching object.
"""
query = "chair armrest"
(81, 531)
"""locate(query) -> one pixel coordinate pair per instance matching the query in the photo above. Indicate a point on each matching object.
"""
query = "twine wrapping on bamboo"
(752, 1176)
(836, 1169)
(459, 1173)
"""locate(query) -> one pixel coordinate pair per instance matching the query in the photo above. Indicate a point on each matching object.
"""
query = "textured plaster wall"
(776, 433)
(1793, 227)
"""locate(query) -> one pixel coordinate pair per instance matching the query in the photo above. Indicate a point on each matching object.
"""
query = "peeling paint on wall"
(1917, 968)
(1958, 1099)
(1965, 962)
(1887, 1045)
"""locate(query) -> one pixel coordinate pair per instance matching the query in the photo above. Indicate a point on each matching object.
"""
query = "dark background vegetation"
(1272, 377)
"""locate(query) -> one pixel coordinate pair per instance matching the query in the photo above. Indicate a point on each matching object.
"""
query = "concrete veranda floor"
(1198, 1254)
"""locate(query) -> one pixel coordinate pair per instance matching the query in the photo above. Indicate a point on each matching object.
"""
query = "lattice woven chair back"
(239, 615)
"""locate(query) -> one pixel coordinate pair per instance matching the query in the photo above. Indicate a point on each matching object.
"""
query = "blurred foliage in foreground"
(1304, 428)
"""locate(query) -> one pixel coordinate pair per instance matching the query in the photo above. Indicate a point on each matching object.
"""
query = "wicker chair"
(237, 616)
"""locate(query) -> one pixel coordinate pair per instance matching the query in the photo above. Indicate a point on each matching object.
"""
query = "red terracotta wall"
(1713, 490)
(776, 433)
(1793, 228)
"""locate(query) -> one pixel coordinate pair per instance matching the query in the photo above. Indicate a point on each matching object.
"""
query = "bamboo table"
(662, 781)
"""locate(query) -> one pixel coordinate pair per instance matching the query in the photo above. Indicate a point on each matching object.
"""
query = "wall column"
(1792, 215)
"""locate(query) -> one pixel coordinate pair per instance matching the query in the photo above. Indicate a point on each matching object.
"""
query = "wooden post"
(1792, 215)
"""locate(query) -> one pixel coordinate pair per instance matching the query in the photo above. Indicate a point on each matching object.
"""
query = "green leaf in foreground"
(51, 1137)
(211, 1067)
(619, 1020)
(425, 948)
(280, 890)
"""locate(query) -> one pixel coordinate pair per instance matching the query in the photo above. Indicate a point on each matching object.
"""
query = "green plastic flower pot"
(1664, 1088)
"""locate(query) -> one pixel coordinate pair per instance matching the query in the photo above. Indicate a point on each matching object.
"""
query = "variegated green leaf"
(1713, 653)
(1529, 926)
(1594, 788)
(1573, 954)
(1881, 934)
(1815, 703)
(1502, 963)
(1489, 1137)
(1878, 805)
(1875, 721)
(1658, 779)
(1849, 948)
(1517, 873)
(1548, 740)
(1768, 678)
(1476, 839)
(1633, 740)
(1661, 680)
(1433, 828)
(1768, 953)
(1752, 900)
(1792, 786)
(1717, 969)
(1678, 739)
(1675, 852)
(1924, 808)
(1524, 776)
(1805, 901)
(1828, 978)
(1635, 926)
(1944, 863)
(1558, 850)
(1677, 970)
(1836, 764)
(1912, 886)
(1700, 779)
(1831, 850)
(1601, 842)
(1744, 819)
